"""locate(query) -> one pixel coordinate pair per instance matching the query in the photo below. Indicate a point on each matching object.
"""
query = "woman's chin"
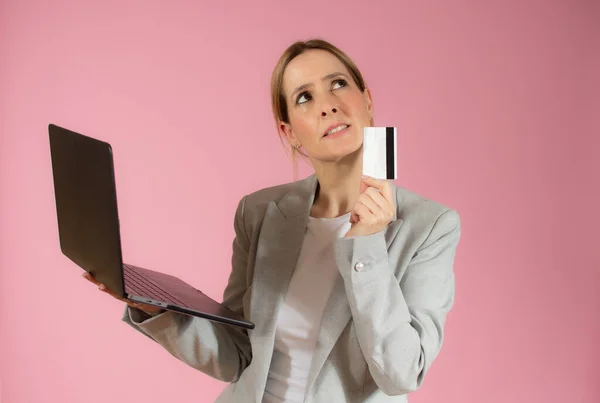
(347, 152)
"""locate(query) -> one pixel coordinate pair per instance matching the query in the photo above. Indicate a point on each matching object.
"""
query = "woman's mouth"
(336, 131)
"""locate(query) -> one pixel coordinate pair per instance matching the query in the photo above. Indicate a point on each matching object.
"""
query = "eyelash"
(340, 80)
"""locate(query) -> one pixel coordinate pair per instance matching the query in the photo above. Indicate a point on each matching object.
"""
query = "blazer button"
(359, 266)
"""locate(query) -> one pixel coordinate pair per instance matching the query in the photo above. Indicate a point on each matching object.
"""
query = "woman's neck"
(339, 186)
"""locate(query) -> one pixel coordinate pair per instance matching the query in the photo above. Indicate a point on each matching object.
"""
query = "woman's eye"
(304, 97)
(339, 83)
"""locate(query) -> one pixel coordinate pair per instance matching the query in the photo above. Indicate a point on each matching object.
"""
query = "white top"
(299, 318)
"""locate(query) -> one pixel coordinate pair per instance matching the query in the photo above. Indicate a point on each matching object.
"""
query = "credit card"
(379, 152)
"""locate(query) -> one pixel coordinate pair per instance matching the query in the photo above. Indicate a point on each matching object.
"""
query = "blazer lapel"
(281, 237)
(337, 313)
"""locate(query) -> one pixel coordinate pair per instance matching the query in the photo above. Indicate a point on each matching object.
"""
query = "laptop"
(89, 231)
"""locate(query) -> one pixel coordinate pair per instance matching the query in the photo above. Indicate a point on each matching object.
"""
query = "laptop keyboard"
(139, 284)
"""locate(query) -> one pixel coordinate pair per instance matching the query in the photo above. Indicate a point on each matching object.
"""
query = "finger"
(378, 198)
(135, 305)
(369, 180)
(144, 307)
(102, 287)
(90, 278)
(363, 186)
(148, 308)
(366, 200)
(382, 185)
(386, 209)
(105, 289)
(363, 212)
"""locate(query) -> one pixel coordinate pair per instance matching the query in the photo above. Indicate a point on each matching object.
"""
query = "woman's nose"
(325, 111)
(329, 104)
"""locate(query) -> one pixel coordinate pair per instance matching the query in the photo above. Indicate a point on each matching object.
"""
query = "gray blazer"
(382, 327)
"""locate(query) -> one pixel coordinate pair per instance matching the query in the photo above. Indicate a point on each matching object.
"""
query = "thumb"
(363, 186)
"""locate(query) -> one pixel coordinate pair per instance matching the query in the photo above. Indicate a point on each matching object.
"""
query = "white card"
(379, 152)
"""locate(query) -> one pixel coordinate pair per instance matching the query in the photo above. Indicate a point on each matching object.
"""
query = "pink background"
(497, 109)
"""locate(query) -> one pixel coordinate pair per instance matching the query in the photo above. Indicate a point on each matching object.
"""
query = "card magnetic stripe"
(389, 152)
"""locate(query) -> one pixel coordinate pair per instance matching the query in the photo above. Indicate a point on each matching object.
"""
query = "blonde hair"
(278, 100)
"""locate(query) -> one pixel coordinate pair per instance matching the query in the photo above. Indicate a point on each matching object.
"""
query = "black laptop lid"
(86, 204)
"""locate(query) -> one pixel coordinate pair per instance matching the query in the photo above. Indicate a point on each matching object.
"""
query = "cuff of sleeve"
(364, 266)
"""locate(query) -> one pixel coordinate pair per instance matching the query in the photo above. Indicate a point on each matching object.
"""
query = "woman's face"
(327, 110)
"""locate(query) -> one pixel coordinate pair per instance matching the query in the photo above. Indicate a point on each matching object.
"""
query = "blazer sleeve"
(400, 324)
(216, 349)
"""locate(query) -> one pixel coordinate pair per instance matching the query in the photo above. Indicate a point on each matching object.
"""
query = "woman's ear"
(368, 102)
(286, 129)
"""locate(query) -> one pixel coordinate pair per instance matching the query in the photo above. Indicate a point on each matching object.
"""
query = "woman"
(347, 279)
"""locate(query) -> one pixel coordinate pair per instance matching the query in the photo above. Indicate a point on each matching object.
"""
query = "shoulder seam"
(442, 214)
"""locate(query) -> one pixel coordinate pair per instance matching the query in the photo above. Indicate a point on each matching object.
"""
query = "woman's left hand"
(374, 209)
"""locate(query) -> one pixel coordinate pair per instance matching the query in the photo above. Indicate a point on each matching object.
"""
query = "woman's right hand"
(149, 309)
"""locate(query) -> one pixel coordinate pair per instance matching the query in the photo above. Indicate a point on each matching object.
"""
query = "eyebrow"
(327, 77)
